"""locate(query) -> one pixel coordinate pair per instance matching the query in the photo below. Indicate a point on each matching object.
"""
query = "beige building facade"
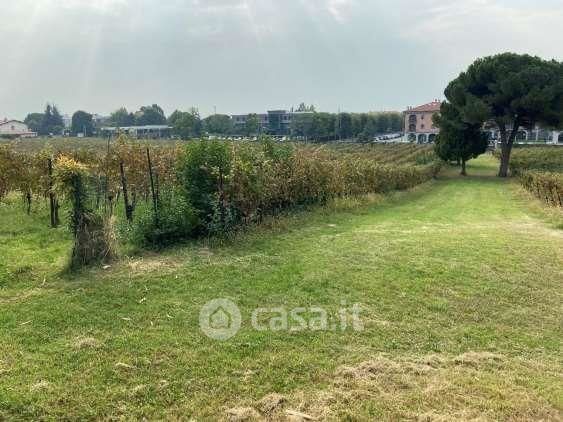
(15, 128)
(418, 124)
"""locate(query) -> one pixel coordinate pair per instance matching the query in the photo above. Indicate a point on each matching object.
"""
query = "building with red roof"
(418, 123)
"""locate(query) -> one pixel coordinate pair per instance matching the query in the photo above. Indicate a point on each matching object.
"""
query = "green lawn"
(460, 283)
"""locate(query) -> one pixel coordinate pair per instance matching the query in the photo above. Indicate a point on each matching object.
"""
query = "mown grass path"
(460, 283)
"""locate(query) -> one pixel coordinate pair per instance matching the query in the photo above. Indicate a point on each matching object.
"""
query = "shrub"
(176, 221)
(203, 172)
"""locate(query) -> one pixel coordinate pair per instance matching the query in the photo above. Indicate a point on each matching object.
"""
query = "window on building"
(422, 126)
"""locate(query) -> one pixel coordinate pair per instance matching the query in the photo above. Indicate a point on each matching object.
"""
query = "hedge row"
(545, 185)
(236, 184)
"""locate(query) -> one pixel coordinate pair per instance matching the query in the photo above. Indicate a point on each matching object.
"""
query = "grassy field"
(459, 281)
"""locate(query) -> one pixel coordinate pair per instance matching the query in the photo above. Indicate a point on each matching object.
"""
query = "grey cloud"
(250, 55)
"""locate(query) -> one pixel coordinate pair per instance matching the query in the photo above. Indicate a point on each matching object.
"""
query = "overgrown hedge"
(231, 185)
(545, 185)
(540, 171)
(546, 158)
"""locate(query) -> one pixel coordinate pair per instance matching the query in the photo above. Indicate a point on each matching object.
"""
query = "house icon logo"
(220, 319)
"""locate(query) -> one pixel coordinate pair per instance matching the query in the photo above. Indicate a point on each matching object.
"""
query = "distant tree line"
(331, 126)
(306, 123)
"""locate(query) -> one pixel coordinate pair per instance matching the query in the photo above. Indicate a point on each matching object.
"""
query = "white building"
(15, 128)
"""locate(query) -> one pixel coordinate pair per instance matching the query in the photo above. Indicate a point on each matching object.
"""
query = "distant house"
(15, 129)
(418, 122)
(419, 128)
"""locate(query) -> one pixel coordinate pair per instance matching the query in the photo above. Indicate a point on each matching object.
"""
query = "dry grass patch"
(473, 386)
(85, 343)
(243, 414)
(271, 402)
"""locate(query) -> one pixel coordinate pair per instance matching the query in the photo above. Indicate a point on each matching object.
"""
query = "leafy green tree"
(34, 121)
(252, 125)
(370, 128)
(382, 123)
(323, 125)
(303, 107)
(301, 125)
(359, 121)
(219, 124)
(122, 118)
(186, 125)
(82, 123)
(150, 115)
(458, 140)
(511, 90)
(396, 122)
(203, 171)
(343, 124)
(52, 122)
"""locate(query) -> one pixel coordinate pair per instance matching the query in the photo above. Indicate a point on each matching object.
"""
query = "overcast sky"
(253, 55)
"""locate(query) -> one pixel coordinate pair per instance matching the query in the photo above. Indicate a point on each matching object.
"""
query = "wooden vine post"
(128, 206)
(153, 192)
(53, 203)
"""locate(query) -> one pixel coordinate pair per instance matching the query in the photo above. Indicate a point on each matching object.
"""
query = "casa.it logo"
(220, 319)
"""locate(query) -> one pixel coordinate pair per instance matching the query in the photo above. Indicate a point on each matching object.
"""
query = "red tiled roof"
(433, 106)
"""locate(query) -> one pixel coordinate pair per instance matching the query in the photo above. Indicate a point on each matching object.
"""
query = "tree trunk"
(504, 159)
(506, 147)
(463, 172)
